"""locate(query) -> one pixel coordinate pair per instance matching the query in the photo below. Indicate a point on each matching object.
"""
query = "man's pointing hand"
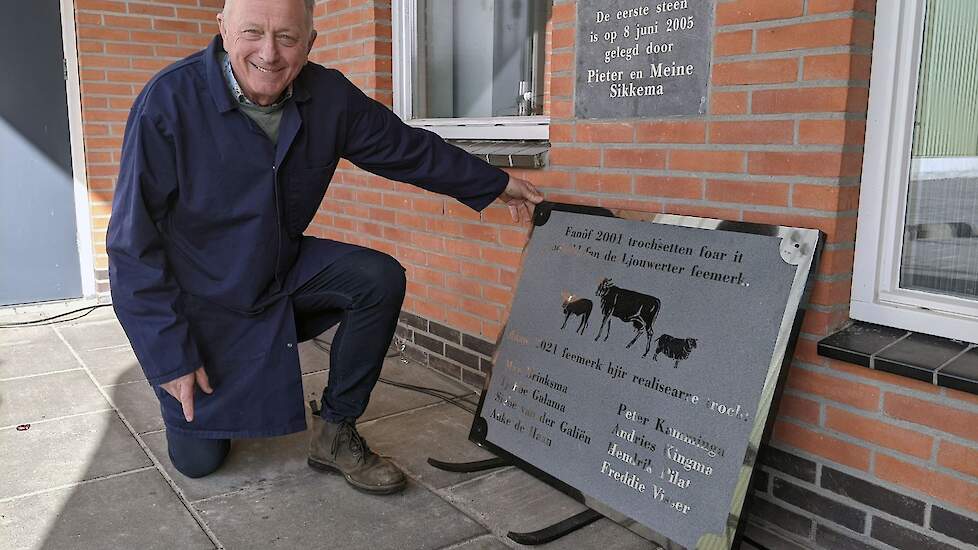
(518, 196)
(182, 389)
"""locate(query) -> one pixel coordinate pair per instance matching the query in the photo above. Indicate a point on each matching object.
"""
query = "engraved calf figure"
(580, 307)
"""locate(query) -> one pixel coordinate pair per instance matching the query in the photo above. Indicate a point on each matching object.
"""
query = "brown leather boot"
(340, 448)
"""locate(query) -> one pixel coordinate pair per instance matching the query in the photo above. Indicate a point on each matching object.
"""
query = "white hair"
(309, 4)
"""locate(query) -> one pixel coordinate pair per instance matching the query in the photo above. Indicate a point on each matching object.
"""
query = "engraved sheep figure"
(677, 349)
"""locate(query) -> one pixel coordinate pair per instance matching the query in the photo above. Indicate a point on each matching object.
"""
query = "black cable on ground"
(55, 319)
(446, 396)
(443, 395)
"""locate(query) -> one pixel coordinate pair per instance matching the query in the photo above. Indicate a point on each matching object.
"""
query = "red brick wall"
(461, 265)
(782, 143)
(121, 45)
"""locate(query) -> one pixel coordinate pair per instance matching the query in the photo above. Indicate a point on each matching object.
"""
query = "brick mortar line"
(790, 86)
(326, 48)
(92, 26)
(461, 334)
(483, 244)
(666, 201)
(710, 148)
(707, 118)
(924, 528)
(772, 498)
(794, 20)
(427, 352)
(834, 278)
(829, 522)
(889, 388)
(929, 465)
(842, 49)
(208, 532)
(879, 416)
(721, 147)
(435, 336)
(842, 182)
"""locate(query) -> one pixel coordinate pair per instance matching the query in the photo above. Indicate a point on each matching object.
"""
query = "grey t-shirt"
(267, 118)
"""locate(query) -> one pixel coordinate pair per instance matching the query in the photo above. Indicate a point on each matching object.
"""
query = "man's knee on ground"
(199, 458)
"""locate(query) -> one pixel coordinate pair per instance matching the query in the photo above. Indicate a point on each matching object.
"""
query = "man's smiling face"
(268, 42)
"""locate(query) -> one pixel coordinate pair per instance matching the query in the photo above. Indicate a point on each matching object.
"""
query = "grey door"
(38, 236)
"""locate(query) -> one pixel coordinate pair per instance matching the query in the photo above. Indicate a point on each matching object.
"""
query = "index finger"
(187, 401)
(525, 212)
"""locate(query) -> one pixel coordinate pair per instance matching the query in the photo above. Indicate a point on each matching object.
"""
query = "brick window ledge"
(940, 361)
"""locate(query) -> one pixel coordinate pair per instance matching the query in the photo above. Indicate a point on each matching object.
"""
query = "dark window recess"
(940, 361)
(507, 153)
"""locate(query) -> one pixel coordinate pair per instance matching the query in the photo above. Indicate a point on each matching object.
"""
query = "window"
(471, 69)
(917, 242)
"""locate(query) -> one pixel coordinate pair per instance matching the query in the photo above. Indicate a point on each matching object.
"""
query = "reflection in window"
(940, 247)
(480, 58)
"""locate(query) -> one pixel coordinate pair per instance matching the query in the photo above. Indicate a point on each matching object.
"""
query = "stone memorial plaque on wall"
(643, 58)
(640, 359)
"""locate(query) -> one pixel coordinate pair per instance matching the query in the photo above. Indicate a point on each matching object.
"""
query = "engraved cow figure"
(631, 307)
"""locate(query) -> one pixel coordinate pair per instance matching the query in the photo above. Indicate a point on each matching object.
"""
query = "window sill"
(939, 361)
(532, 128)
(507, 153)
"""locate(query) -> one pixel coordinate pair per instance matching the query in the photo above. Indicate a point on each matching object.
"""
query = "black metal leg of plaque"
(467, 467)
(557, 530)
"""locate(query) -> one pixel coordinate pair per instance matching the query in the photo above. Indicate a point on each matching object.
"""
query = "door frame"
(83, 211)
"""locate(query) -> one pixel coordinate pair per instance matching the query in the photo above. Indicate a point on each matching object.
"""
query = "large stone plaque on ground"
(640, 58)
(639, 362)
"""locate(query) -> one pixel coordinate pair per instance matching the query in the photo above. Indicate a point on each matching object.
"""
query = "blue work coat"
(205, 240)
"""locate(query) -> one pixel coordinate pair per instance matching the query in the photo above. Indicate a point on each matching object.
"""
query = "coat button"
(289, 345)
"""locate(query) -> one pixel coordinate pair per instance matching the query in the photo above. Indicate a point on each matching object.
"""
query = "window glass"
(940, 241)
(479, 58)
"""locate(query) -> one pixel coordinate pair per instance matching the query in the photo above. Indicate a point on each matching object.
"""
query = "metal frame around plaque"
(799, 247)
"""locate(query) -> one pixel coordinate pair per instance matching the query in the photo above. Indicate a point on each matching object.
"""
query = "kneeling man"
(226, 158)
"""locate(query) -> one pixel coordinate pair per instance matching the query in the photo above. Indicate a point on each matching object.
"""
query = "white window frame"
(404, 33)
(876, 295)
(83, 211)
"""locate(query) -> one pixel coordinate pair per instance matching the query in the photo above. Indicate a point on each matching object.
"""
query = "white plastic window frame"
(876, 293)
(404, 33)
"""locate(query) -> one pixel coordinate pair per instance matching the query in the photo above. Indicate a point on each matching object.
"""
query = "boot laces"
(358, 446)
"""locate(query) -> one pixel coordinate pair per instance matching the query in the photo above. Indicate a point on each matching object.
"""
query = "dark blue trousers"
(363, 292)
